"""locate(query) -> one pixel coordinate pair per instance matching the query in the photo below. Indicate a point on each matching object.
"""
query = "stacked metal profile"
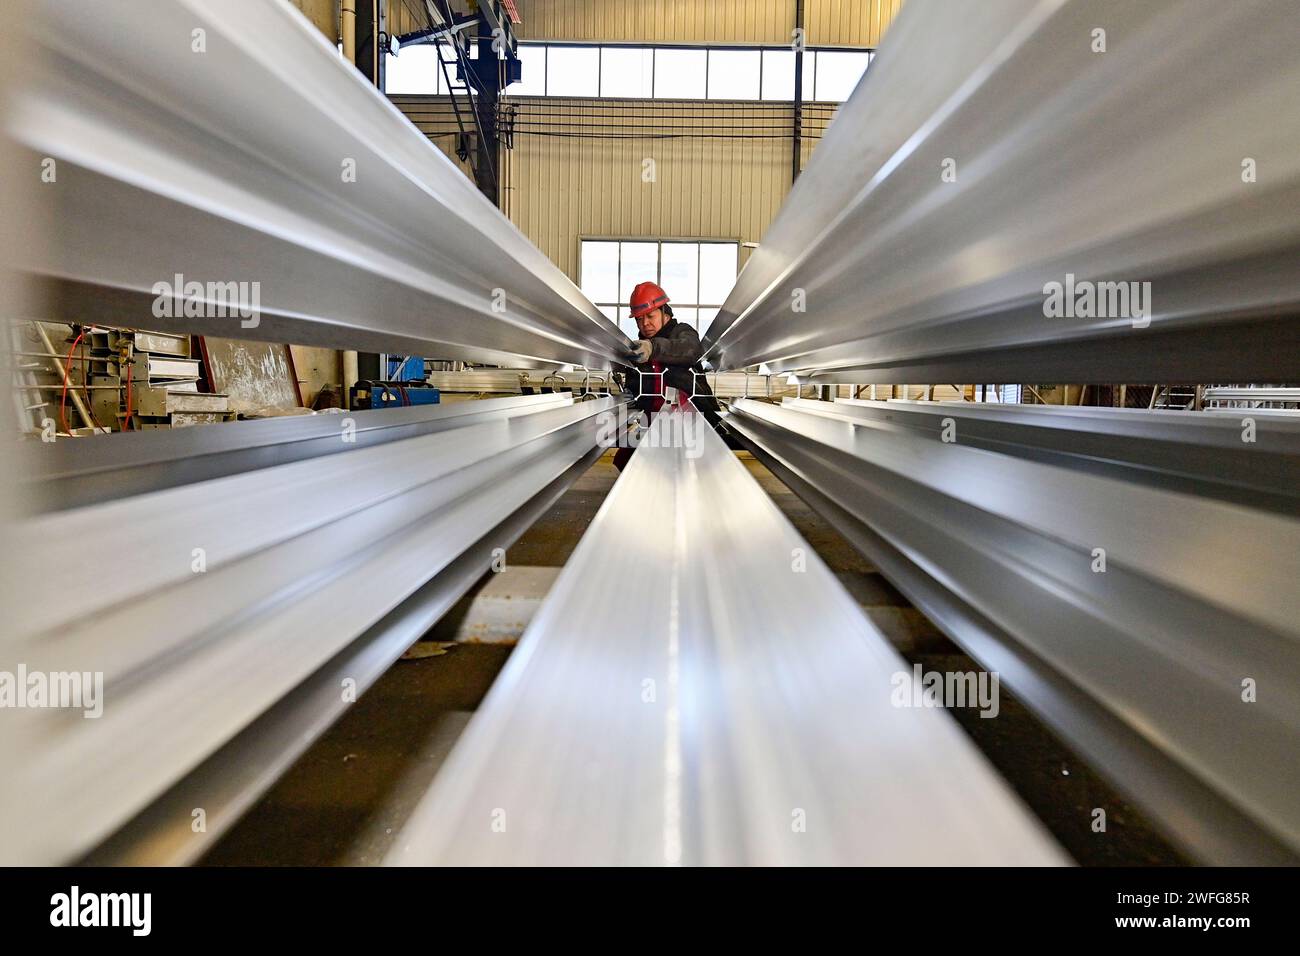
(257, 574)
(698, 688)
(210, 165)
(1130, 574)
(225, 144)
(989, 153)
(1256, 397)
(244, 611)
(582, 381)
(1062, 141)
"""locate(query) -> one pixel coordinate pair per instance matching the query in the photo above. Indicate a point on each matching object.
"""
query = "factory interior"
(751, 433)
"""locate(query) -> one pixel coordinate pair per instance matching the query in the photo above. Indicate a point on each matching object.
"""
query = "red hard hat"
(645, 297)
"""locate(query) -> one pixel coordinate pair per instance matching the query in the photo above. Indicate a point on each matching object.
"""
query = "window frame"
(546, 81)
(810, 53)
(660, 241)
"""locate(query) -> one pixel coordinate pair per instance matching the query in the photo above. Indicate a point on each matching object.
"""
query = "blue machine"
(404, 369)
(370, 394)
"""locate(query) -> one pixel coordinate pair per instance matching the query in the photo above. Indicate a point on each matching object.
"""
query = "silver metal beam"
(992, 150)
(1143, 623)
(511, 380)
(225, 141)
(62, 475)
(698, 688)
(224, 596)
(1249, 461)
(230, 781)
(1225, 393)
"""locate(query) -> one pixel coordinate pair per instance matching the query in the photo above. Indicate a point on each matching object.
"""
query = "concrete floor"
(344, 800)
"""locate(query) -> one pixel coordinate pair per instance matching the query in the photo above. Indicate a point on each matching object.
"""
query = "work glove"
(640, 351)
(637, 424)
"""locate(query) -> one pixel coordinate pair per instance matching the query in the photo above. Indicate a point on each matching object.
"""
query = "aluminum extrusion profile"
(992, 150)
(229, 594)
(701, 720)
(229, 782)
(224, 142)
(73, 474)
(1140, 662)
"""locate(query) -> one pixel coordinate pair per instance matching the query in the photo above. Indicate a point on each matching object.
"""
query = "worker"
(666, 355)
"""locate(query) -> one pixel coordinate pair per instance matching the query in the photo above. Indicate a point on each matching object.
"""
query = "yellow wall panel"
(849, 22)
(721, 170)
(855, 23)
(433, 116)
(406, 16)
(828, 22)
(324, 15)
(713, 176)
(657, 21)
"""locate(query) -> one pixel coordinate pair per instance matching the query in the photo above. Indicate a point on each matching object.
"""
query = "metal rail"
(1226, 455)
(1142, 623)
(674, 703)
(61, 475)
(227, 597)
(1288, 396)
(224, 143)
(229, 782)
(983, 158)
(510, 380)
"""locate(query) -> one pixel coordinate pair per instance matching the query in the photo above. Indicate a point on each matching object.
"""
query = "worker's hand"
(637, 424)
(640, 352)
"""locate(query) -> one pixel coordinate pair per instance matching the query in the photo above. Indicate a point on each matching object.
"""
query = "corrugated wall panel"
(407, 16)
(576, 170)
(828, 22)
(433, 116)
(816, 117)
(721, 169)
(324, 14)
(657, 21)
(848, 22)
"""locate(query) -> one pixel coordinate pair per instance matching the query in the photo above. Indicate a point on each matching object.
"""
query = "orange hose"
(67, 373)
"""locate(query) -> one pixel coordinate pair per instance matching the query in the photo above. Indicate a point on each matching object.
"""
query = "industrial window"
(644, 72)
(697, 275)
(532, 61)
(735, 74)
(837, 74)
(572, 71)
(415, 69)
(684, 73)
(778, 75)
(626, 71)
(681, 74)
(809, 90)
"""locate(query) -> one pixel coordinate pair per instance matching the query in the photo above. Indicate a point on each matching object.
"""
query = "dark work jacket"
(676, 348)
